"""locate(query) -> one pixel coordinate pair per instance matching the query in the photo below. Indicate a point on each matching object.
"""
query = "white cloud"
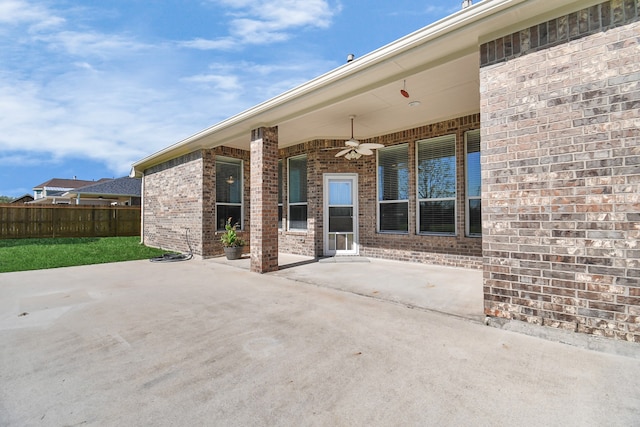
(75, 92)
(226, 43)
(216, 81)
(16, 12)
(267, 21)
(92, 44)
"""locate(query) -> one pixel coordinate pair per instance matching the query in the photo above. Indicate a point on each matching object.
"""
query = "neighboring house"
(52, 191)
(23, 199)
(517, 152)
(123, 191)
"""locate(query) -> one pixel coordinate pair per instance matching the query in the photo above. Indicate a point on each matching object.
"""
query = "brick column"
(264, 200)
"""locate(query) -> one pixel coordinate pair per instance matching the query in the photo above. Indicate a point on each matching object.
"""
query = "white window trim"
(466, 190)
(282, 204)
(353, 177)
(289, 228)
(419, 200)
(235, 161)
(382, 202)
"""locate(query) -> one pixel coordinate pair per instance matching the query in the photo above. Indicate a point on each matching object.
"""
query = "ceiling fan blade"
(364, 150)
(371, 145)
(343, 152)
(352, 142)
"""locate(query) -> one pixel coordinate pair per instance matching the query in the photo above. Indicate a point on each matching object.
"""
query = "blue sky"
(87, 88)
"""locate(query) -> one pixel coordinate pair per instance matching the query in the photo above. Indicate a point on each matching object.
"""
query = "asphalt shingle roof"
(124, 186)
(68, 183)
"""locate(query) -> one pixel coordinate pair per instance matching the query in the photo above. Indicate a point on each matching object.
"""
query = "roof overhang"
(439, 63)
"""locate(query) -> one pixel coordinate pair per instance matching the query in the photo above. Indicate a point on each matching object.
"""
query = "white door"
(340, 214)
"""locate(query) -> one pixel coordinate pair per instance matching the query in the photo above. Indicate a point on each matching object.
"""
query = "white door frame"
(327, 177)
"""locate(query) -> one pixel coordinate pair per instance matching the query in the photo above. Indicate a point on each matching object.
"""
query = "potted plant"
(231, 242)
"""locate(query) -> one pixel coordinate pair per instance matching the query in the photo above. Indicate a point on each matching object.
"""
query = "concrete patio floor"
(204, 343)
(448, 290)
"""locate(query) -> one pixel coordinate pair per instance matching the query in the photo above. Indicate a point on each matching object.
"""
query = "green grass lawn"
(37, 254)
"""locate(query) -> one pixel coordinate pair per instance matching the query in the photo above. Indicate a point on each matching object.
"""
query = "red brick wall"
(173, 200)
(561, 173)
(444, 250)
(180, 194)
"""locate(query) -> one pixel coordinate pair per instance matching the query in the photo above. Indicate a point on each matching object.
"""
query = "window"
(437, 185)
(280, 204)
(393, 189)
(228, 191)
(298, 193)
(474, 184)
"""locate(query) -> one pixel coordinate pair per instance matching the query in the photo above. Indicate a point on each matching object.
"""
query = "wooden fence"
(33, 221)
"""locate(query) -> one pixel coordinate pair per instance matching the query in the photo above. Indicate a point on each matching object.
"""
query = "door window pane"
(340, 219)
(340, 193)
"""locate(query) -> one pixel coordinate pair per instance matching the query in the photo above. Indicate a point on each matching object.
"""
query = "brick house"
(516, 152)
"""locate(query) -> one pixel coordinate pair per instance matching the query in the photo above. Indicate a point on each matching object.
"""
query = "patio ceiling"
(444, 91)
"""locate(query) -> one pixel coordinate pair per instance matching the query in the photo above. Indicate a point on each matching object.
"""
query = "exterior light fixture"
(230, 180)
(403, 91)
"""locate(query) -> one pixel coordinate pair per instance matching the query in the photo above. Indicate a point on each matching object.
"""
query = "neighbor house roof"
(23, 199)
(63, 183)
(124, 186)
(439, 63)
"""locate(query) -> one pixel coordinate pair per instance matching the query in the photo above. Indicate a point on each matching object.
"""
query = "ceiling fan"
(354, 149)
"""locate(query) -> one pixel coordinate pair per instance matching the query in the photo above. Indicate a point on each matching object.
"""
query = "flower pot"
(233, 252)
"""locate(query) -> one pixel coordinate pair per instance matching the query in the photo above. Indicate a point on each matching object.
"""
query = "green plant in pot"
(230, 241)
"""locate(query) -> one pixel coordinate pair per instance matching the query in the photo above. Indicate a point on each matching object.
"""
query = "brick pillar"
(264, 200)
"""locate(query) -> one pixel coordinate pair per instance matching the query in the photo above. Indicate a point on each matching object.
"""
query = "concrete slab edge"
(588, 342)
(343, 258)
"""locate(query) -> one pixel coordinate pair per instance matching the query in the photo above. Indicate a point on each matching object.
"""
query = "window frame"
(306, 202)
(240, 179)
(281, 219)
(469, 198)
(380, 202)
(453, 199)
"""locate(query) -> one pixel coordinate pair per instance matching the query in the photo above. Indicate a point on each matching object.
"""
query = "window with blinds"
(228, 191)
(298, 193)
(393, 189)
(473, 178)
(436, 174)
(280, 190)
